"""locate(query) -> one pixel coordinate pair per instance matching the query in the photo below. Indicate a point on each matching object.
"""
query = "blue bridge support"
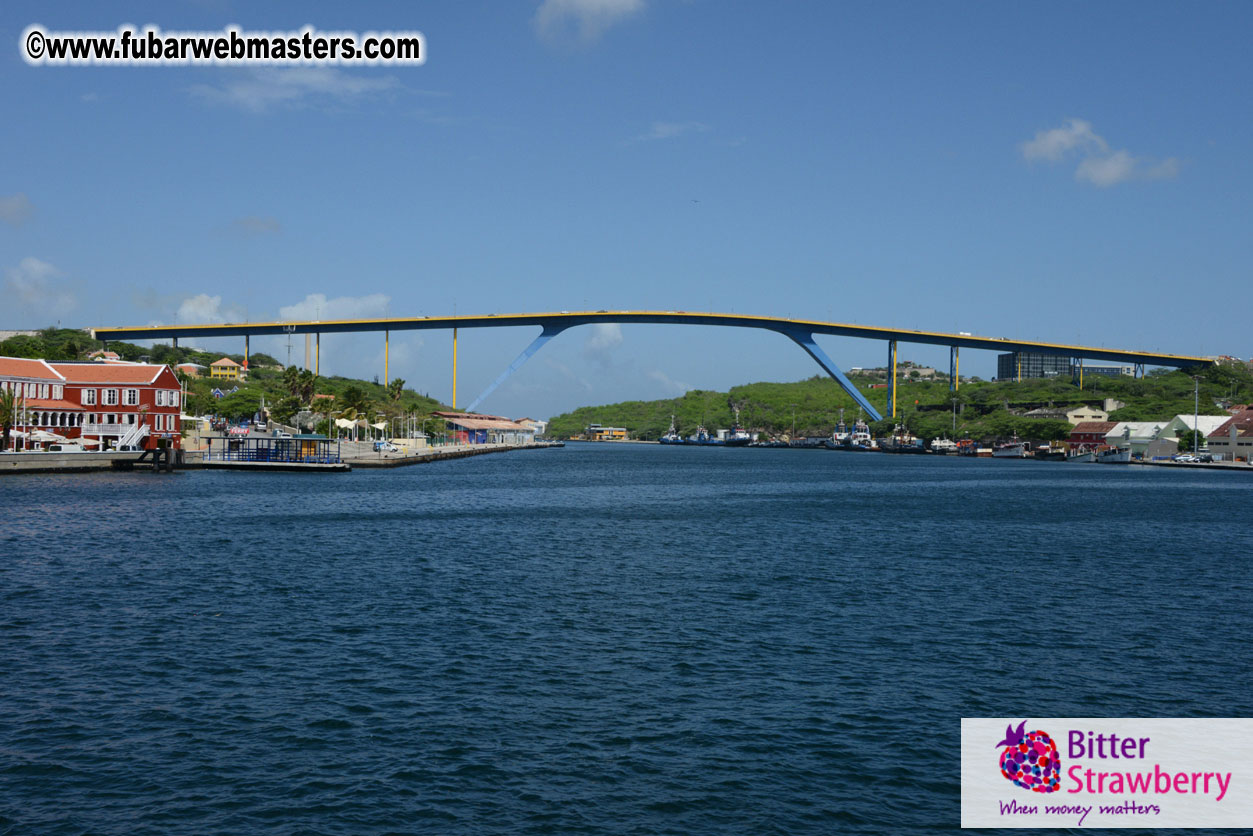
(547, 334)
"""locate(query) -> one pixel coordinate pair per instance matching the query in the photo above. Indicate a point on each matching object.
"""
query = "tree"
(291, 379)
(8, 405)
(396, 388)
(305, 386)
(354, 398)
(285, 409)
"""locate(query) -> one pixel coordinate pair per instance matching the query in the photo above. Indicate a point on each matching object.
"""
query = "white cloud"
(1120, 167)
(1054, 144)
(1098, 165)
(581, 21)
(316, 306)
(670, 130)
(669, 385)
(39, 286)
(261, 88)
(604, 336)
(15, 209)
(201, 308)
(253, 226)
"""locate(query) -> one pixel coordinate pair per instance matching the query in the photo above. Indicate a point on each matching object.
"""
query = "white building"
(1137, 435)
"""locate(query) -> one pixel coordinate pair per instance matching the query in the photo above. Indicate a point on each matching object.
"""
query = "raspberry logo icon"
(1030, 759)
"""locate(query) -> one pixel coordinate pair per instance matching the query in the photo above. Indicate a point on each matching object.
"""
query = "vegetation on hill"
(979, 409)
(286, 392)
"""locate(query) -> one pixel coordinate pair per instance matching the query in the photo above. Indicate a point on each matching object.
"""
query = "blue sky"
(1056, 171)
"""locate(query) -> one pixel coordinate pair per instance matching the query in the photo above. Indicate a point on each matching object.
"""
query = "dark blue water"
(600, 639)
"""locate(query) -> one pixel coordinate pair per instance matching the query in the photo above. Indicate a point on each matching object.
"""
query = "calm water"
(590, 640)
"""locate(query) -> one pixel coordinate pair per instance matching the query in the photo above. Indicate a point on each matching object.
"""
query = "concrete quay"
(39, 462)
(364, 456)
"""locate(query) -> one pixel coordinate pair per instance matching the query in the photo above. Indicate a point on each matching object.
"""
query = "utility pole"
(1196, 412)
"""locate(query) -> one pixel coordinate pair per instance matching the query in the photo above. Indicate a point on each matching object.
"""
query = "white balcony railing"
(106, 429)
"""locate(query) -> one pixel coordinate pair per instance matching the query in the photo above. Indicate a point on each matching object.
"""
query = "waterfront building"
(102, 356)
(225, 369)
(540, 427)
(1233, 439)
(97, 404)
(1089, 435)
(474, 428)
(595, 432)
(1134, 434)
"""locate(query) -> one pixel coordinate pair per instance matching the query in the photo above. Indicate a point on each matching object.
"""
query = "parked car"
(281, 434)
(1186, 457)
(385, 447)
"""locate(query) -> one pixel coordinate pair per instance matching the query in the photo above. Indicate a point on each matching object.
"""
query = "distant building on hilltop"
(225, 369)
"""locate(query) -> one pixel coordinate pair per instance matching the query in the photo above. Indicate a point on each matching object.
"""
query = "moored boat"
(1114, 455)
(943, 446)
(1010, 450)
(672, 437)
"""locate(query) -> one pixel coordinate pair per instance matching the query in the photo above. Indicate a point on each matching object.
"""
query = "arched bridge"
(800, 331)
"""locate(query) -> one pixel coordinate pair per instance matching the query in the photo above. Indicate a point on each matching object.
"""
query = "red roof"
(1243, 422)
(30, 369)
(108, 372)
(48, 403)
(1101, 427)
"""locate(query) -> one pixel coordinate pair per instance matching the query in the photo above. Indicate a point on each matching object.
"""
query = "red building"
(1088, 435)
(112, 404)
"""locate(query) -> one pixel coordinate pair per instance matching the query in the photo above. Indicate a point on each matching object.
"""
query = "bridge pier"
(954, 369)
(454, 369)
(317, 356)
(387, 343)
(245, 352)
(892, 378)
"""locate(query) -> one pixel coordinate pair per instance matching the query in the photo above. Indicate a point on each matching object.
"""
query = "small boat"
(943, 446)
(859, 440)
(737, 436)
(839, 436)
(1114, 455)
(702, 438)
(902, 441)
(1081, 458)
(672, 437)
(1010, 450)
(968, 447)
(1050, 453)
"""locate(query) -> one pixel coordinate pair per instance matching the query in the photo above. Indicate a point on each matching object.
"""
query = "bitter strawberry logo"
(1030, 759)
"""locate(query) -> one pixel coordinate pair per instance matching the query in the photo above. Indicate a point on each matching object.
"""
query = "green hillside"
(985, 410)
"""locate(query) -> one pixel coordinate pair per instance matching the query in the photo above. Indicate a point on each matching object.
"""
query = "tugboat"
(1010, 450)
(672, 437)
(902, 442)
(859, 440)
(737, 436)
(702, 438)
(839, 436)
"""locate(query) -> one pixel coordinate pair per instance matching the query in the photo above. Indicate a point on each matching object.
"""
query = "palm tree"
(304, 388)
(291, 379)
(354, 398)
(8, 409)
(396, 388)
